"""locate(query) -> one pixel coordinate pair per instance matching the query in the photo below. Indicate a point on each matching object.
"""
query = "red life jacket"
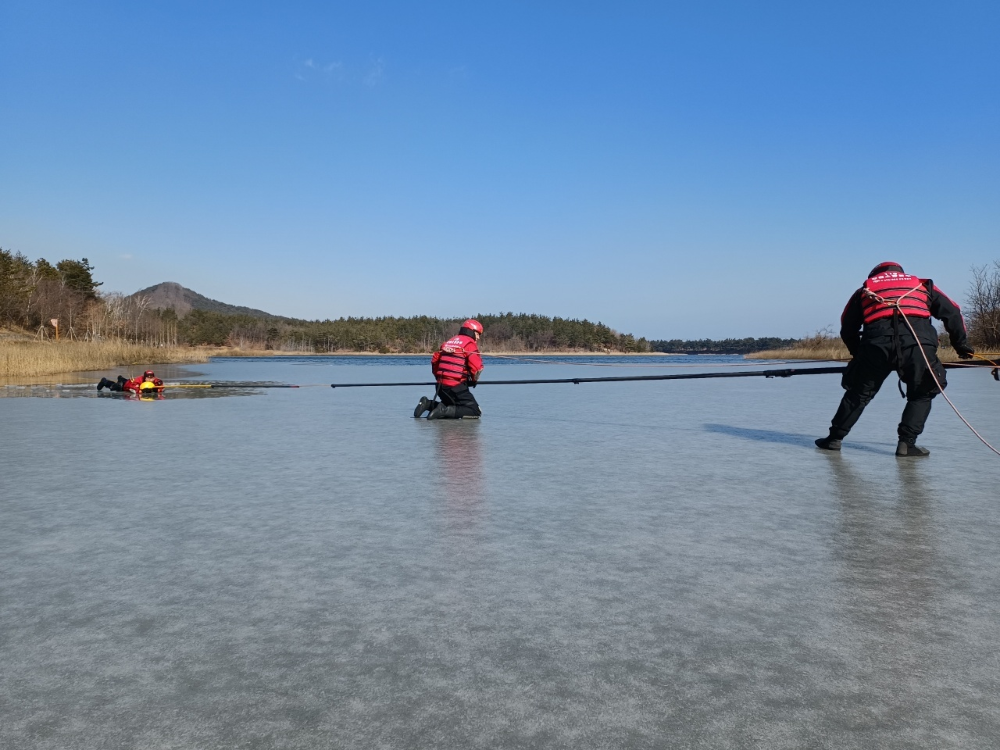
(908, 291)
(457, 361)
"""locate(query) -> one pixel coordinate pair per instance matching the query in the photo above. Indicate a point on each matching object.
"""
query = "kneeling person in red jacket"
(134, 385)
(456, 366)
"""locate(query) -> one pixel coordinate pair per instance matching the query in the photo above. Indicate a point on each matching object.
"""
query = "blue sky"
(675, 170)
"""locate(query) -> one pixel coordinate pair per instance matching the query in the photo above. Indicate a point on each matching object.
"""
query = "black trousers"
(118, 385)
(875, 361)
(461, 398)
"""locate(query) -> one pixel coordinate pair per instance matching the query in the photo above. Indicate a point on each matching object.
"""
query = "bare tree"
(983, 306)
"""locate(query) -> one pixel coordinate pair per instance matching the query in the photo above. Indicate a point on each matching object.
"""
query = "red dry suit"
(457, 361)
(134, 383)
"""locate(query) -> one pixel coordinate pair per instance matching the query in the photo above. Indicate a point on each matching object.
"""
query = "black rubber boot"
(423, 405)
(444, 412)
(909, 449)
(828, 443)
(105, 383)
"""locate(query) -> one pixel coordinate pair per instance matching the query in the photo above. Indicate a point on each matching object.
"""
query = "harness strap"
(897, 310)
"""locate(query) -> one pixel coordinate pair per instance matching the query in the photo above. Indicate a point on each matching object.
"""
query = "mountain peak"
(184, 300)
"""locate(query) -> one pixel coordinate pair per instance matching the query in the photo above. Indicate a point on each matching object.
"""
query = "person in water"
(886, 344)
(456, 366)
(142, 383)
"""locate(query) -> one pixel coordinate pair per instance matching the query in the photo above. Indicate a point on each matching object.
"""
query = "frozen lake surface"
(625, 565)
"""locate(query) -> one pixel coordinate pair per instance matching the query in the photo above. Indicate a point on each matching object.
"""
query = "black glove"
(964, 351)
(854, 346)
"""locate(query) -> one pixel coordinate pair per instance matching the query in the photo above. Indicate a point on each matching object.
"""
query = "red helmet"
(149, 374)
(888, 265)
(473, 325)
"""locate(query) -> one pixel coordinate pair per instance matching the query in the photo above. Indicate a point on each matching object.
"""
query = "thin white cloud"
(335, 71)
(125, 256)
(376, 72)
(310, 68)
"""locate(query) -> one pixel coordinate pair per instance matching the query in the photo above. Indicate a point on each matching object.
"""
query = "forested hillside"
(504, 332)
(720, 346)
(33, 294)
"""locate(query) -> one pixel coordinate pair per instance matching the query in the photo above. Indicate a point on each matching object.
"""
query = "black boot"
(444, 412)
(828, 443)
(423, 405)
(909, 448)
(105, 383)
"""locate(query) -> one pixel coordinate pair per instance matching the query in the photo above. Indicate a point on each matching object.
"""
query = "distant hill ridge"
(183, 300)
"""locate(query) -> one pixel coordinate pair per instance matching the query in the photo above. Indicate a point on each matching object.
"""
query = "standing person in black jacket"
(886, 344)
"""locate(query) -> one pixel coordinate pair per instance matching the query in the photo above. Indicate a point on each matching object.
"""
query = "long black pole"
(231, 385)
(776, 373)
(784, 373)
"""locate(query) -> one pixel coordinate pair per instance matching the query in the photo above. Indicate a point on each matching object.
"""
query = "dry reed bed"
(31, 358)
(832, 351)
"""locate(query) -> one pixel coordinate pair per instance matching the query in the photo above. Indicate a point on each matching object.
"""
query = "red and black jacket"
(457, 361)
(918, 298)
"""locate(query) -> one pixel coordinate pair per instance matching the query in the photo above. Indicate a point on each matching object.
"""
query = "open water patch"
(88, 390)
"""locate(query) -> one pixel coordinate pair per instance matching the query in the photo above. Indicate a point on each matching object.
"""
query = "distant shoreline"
(22, 356)
(222, 353)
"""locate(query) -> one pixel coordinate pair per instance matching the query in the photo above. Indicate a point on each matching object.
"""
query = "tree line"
(720, 346)
(981, 311)
(504, 332)
(35, 293)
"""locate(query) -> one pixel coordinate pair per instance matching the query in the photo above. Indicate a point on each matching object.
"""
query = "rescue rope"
(995, 372)
(896, 304)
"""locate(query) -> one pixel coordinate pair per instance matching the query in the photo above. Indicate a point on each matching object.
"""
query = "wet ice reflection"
(460, 471)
